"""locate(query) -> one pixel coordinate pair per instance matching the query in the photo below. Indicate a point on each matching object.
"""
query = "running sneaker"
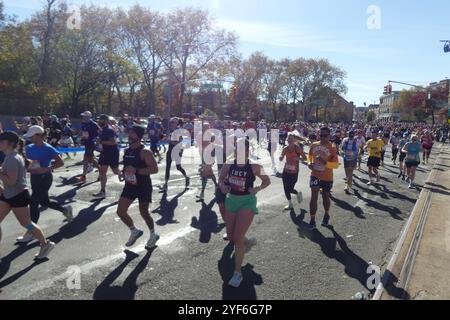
(312, 225)
(300, 197)
(82, 179)
(152, 241)
(68, 213)
(250, 244)
(289, 207)
(326, 220)
(225, 237)
(27, 237)
(100, 195)
(135, 234)
(45, 250)
(236, 281)
(369, 183)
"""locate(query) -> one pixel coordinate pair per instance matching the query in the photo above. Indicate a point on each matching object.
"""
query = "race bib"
(35, 164)
(349, 154)
(237, 184)
(290, 167)
(131, 179)
(318, 167)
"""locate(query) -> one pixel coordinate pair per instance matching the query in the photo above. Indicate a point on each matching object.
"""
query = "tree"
(371, 116)
(194, 44)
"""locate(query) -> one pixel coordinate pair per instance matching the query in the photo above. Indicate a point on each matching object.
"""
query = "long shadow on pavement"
(167, 208)
(127, 291)
(355, 266)
(21, 273)
(81, 222)
(394, 194)
(394, 212)
(368, 190)
(207, 222)
(247, 290)
(357, 211)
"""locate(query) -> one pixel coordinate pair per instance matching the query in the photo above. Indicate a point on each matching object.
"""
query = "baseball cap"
(33, 130)
(87, 114)
(104, 117)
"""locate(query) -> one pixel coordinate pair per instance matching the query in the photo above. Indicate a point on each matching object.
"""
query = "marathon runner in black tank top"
(241, 203)
(139, 164)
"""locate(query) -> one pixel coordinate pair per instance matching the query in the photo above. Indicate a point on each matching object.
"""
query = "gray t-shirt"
(14, 163)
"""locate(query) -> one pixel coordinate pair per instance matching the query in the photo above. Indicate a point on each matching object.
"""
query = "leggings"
(177, 161)
(394, 153)
(40, 185)
(289, 181)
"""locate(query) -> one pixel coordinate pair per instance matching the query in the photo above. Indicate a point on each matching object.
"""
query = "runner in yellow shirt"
(374, 147)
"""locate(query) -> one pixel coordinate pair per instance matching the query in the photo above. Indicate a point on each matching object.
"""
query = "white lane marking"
(26, 292)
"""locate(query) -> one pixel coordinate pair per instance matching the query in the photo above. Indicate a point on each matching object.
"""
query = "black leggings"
(394, 154)
(289, 182)
(169, 163)
(40, 185)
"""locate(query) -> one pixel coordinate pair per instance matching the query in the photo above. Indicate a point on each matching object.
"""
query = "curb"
(409, 241)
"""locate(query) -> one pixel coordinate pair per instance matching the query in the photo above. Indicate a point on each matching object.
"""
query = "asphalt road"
(192, 261)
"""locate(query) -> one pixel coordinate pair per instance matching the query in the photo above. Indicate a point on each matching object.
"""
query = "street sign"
(212, 86)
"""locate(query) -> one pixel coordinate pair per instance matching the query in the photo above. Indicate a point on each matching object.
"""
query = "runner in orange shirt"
(322, 159)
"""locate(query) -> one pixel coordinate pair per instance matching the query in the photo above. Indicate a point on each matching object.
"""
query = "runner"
(292, 154)
(41, 155)
(412, 150)
(14, 196)
(138, 164)
(322, 160)
(206, 171)
(174, 125)
(109, 153)
(350, 149)
(402, 156)
(427, 145)
(89, 134)
(241, 204)
(395, 140)
(385, 139)
(154, 131)
(362, 142)
(375, 147)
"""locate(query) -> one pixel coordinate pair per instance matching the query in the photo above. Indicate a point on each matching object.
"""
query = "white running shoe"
(135, 234)
(289, 207)
(152, 242)
(236, 281)
(300, 197)
(250, 244)
(369, 183)
(68, 213)
(45, 250)
(27, 237)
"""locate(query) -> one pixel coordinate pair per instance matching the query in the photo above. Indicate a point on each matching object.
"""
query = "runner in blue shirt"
(109, 153)
(154, 131)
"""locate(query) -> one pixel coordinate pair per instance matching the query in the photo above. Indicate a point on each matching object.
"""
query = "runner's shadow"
(247, 290)
(357, 211)
(437, 186)
(8, 259)
(394, 194)
(207, 222)
(80, 223)
(336, 248)
(394, 212)
(391, 288)
(21, 273)
(127, 291)
(167, 208)
(370, 191)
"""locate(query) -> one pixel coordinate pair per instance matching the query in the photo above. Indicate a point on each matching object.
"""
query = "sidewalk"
(430, 276)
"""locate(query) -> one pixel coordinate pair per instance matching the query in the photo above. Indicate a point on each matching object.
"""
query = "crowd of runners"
(37, 146)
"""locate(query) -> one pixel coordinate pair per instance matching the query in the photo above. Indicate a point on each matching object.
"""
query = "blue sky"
(406, 48)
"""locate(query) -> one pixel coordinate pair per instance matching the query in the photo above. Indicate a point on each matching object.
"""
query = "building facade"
(385, 110)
